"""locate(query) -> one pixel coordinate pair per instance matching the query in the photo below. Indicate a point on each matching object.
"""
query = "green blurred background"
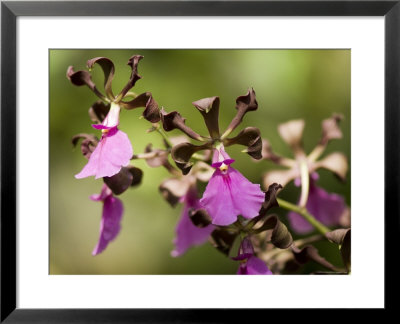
(290, 84)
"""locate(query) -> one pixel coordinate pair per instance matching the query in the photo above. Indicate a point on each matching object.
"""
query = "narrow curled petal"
(209, 109)
(182, 153)
(244, 104)
(230, 194)
(80, 78)
(292, 133)
(223, 239)
(325, 207)
(108, 69)
(250, 137)
(151, 111)
(112, 153)
(335, 162)
(99, 111)
(280, 236)
(187, 234)
(254, 266)
(133, 63)
(174, 120)
(110, 223)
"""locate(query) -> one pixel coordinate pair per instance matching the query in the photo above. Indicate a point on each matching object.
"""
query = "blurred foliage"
(290, 84)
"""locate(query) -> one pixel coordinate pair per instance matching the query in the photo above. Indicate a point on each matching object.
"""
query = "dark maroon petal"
(119, 182)
(80, 78)
(331, 129)
(250, 137)
(270, 198)
(310, 253)
(108, 68)
(133, 63)
(244, 104)
(337, 236)
(182, 153)
(151, 111)
(89, 143)
(137, 175)
(280, 235)
(209, 109)
(174, 120)
(199, 217)
(342, 237)
(223, 240)
(99, 111)
(128, 176)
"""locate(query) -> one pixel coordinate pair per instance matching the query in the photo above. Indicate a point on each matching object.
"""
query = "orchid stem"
(164, 136)
(305, 183)
(306, 215)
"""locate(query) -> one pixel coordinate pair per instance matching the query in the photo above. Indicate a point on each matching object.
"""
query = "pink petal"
(187, 234)
(110, 223)
(229, 195)
(112, 153)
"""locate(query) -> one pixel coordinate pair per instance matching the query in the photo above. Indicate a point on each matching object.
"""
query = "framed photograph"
(157, 152)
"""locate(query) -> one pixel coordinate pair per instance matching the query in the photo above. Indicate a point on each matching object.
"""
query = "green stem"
(164, 136)
(306, 215)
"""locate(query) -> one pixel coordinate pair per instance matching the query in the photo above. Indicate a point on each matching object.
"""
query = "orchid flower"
(228, 193)
(328, 208)
(114, 150)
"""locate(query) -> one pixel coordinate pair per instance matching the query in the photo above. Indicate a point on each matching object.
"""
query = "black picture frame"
(10, 10)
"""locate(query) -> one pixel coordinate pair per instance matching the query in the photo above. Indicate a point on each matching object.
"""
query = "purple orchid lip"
(229, 194)
(226, 162)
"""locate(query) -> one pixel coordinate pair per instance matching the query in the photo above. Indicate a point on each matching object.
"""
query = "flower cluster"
(231, 210)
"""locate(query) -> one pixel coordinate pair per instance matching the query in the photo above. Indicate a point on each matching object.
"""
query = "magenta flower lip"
(113, 152)
(111, 218)
(229, 194)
